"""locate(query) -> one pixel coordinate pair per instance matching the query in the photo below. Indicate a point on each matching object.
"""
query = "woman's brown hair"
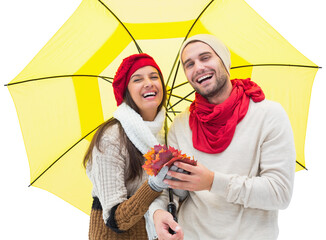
(135, 170)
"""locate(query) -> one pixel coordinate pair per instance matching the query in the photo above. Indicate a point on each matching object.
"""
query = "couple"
(243, 144)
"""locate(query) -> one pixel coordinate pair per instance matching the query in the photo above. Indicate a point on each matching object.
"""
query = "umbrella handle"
(172, 209)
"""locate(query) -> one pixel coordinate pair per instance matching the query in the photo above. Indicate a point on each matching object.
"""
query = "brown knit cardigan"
(126, 219)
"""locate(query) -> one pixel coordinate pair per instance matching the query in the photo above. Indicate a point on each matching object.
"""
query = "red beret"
(128, 66)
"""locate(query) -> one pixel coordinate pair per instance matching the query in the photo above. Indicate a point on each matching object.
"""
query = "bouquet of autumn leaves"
(160, 156)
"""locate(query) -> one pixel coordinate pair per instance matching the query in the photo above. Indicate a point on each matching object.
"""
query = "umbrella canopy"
(65, 92)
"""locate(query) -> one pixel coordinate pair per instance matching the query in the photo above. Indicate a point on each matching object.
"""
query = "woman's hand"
(156, 182)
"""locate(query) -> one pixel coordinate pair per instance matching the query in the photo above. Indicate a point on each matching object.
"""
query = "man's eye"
(205, 58)
(188, 65)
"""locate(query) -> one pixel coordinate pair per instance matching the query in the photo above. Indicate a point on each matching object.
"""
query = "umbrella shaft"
(173, 210)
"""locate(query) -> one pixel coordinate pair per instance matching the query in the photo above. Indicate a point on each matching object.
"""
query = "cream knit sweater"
(253, 178)
(108, 170)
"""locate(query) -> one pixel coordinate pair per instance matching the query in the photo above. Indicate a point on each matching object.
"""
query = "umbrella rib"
(198, 18)
(181, 100)
(275, 65)
(60, 76)
(172, 111)
(137, 46)
(175, 76)
(176, 59)
(173, 66)
(62, 156)
(97, 128)
(168, 117)
(177, 86)
(301, 165)
(192, 26)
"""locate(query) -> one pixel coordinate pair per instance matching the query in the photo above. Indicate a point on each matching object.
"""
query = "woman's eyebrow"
(136, 75)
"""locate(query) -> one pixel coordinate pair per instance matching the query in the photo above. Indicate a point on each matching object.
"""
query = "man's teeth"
(203, 78)
(149, 94)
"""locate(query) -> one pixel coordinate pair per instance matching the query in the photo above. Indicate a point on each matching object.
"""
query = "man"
(245, 151)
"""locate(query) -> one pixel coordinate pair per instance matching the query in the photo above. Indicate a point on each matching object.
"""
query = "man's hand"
(163, 220)
(199, 177)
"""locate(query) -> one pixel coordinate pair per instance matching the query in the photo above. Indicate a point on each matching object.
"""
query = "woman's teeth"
(149, 94)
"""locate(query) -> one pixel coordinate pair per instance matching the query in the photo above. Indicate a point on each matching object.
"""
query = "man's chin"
(206, 92)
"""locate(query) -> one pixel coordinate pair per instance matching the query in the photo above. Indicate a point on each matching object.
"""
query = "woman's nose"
(148, 82)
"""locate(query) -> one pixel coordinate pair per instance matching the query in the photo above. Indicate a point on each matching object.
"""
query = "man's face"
(204, 69)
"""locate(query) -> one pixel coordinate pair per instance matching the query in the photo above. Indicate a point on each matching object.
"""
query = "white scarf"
(143, 134)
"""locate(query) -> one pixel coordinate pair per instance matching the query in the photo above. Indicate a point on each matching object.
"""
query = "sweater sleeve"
(107, 173)
(130, 211)
(272, 188)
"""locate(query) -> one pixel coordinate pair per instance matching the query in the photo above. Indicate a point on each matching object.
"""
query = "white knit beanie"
(217, 45)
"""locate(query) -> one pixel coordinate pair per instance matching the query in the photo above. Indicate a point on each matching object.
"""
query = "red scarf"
(213, 126)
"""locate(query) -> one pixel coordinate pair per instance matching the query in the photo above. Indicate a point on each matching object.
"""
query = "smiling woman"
(146, 89)
(114, 158)
(38, 20)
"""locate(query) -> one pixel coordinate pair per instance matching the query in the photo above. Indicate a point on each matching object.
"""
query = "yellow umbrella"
(64, 93)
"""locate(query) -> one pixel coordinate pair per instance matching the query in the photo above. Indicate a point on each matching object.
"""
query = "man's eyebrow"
(201, 54)
(188, 60)
(204, 53)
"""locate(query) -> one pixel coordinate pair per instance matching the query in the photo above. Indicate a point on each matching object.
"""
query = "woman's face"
(146, 90)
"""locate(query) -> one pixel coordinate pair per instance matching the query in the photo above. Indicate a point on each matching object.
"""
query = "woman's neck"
(148, 115)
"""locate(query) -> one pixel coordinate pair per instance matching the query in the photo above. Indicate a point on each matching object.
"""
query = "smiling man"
(206, 72)
(245, 151)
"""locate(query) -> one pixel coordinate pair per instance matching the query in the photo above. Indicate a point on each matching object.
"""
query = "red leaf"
(160, 156)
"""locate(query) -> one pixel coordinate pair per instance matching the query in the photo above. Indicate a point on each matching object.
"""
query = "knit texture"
(129, 221)
(253, 178)
(212, 125)
(217, 45)
(99, 231)
(128, 66)
(143, 134)
(130, 212)
(108, 172)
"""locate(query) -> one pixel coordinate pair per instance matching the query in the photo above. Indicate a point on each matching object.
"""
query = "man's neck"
(222, 96)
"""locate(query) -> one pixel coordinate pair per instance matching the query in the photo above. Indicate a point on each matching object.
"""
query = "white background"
(31, 213)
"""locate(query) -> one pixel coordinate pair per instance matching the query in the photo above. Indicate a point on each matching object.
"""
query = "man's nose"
(199, 66)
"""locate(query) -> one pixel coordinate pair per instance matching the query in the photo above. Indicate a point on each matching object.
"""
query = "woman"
(113, 161)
